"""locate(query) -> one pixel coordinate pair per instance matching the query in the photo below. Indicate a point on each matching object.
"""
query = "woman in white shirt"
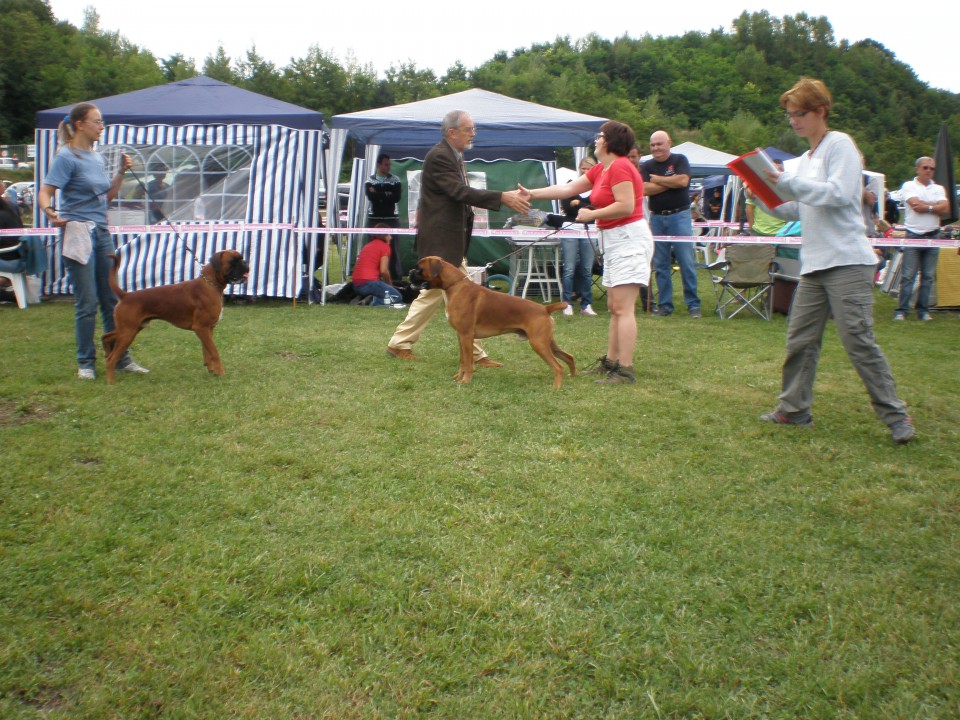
(837, 266)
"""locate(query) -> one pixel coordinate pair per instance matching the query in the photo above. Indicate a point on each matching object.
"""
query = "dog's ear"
(436, 268)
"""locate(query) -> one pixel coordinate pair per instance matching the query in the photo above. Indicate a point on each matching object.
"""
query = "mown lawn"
(329, 533)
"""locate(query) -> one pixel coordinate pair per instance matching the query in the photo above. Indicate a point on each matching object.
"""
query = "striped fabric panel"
(285, 179)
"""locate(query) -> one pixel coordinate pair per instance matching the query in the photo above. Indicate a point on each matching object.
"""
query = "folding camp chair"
(743, 280)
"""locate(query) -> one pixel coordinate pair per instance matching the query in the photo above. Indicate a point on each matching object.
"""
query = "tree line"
(719, 88)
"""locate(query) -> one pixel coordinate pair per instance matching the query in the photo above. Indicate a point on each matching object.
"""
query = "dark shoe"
(619, 375)
(601, 366)
(661, 312)
(778, 418)
(902, 431)
(696, 314)
(401, 354)
(487, 363)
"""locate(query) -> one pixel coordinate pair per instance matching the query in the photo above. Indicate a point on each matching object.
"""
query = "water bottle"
(387, 300)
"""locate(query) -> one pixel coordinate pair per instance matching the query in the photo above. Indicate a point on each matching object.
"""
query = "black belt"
(670, 212)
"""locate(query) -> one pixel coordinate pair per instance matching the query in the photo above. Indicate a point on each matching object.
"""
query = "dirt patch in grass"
(19, 413)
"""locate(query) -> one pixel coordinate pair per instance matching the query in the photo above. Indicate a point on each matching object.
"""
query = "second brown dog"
(192, 305)
(477, 312)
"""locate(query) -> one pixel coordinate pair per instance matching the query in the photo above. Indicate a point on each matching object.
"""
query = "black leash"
(164, 218)
(523, 247)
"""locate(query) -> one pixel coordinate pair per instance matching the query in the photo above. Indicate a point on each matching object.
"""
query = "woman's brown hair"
(808, 94)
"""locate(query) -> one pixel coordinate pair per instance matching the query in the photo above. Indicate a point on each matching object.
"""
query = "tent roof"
(703, 160)
(776, 153)
(501, 122)
(195, 101)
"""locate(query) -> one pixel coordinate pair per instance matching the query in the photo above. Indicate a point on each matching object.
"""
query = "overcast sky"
(435, 35)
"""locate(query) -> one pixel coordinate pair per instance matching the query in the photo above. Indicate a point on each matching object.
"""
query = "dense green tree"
(219, 66)
(261, 76)
(177, 67)
(408, 83)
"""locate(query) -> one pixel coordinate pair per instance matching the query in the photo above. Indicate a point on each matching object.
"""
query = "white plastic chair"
(18, 280)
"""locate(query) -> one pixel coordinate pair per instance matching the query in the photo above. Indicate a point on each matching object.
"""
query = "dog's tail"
(114, 283)
(555, 307)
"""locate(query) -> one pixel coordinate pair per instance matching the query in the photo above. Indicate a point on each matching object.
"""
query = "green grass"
(325, 532)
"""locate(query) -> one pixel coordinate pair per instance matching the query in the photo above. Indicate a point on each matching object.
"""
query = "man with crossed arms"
(925, 202)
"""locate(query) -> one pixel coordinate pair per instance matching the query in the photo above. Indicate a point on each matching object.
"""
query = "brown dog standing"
(193, 305)
(476, 312)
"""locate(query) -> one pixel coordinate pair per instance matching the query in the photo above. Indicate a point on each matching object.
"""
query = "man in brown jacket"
(445, 223)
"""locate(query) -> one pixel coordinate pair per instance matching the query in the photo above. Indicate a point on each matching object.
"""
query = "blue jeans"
(91, 289)
(13, 262)
(680, 223)
(577, 269)
(377, 289)
(924, 261)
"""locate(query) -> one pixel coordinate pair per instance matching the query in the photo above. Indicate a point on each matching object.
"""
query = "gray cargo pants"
(847, 293)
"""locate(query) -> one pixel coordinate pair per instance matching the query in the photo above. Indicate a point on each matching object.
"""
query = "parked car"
(7, 163)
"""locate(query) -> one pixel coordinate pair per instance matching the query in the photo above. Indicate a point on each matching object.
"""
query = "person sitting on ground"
(371, 274)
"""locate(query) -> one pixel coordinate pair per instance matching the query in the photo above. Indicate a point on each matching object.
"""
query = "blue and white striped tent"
(285, 177)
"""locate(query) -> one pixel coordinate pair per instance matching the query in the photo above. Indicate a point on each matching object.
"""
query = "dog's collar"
(208, 281)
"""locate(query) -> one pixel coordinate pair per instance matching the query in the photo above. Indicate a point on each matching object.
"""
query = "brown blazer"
(444, 214)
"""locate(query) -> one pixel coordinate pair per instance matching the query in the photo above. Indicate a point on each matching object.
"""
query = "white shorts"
(627, 254)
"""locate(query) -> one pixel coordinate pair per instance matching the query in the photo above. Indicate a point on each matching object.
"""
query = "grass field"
(325, 532)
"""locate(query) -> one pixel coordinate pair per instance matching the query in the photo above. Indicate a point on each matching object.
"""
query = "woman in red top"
(616, 193)
(371, 274)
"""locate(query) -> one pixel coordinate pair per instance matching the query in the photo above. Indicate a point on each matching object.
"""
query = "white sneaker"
(132, 367)
(568, 310)
(588, 310)
(87, 374)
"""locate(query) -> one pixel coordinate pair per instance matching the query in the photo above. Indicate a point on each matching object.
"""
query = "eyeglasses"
(796, 114)
(93, 122)
(928, 167)
(472, 130)
(599, 136)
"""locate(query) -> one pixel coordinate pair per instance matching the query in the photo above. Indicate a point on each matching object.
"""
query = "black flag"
(944, 176)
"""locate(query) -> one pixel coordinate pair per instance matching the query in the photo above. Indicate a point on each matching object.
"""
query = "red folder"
(752, 169)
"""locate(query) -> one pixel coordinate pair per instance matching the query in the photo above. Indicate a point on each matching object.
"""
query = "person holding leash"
(445, 224)
(79, 173)
(616, 193)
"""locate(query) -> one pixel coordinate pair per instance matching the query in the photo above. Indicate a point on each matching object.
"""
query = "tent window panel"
(182, 183)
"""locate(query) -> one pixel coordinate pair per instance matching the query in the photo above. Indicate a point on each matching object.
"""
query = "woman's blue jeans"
(377, 289)
(577, 269)
(91, 290)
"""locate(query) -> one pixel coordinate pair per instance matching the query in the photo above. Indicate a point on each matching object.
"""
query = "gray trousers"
(847, 293)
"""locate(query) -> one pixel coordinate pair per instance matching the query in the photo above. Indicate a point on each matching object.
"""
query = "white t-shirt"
(921, 222)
